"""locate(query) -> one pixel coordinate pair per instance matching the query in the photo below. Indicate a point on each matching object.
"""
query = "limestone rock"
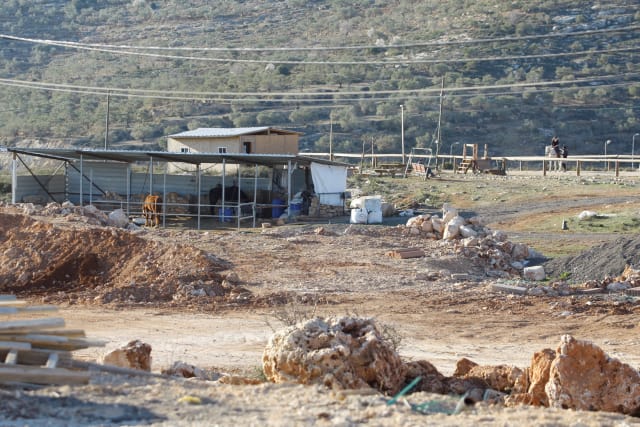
(118, 218)
(501, 377)
(184, 370)
(530, 387)
(134, 355)
(339, 352)
(463, 366)
(535, 273)
(432, 380)
(583, 377)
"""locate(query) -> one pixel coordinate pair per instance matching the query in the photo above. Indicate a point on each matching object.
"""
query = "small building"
(249, 140)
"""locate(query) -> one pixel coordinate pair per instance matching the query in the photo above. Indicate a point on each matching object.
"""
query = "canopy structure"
(113, 166)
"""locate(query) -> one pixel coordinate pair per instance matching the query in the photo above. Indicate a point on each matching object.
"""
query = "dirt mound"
(605, 260)
(103, 265)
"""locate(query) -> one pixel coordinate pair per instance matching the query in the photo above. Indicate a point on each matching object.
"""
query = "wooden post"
(578, 166)
(544, 168)
(617, 168)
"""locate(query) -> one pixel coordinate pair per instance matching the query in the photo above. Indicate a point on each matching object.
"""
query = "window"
(184, 149)
(222, 150)
(247, 147)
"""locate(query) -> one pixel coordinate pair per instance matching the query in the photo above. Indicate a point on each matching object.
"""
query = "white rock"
(587, 215)
(536, 273)
(118, 218)
(467, 231)
(413, 221)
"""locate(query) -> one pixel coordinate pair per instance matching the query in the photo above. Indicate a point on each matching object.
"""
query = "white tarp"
(329, 182)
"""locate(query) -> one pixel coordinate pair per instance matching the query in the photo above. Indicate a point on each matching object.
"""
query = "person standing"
(565, 153)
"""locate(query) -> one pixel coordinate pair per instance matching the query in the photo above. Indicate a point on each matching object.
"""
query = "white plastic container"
(358, 216)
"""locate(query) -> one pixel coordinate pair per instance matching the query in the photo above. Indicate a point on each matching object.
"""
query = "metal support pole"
(255, 193)
(289, 173)
(150, 175)
(14, 179)
(164, 196)
(128, 189)
(238, 206)
(224, 190)
(81, 179)
(199, 189)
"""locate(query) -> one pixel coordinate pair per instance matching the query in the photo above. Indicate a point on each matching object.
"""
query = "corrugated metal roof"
(131, 156)
(229, 132)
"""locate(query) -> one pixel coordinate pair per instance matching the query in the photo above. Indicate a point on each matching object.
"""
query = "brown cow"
(151, 209)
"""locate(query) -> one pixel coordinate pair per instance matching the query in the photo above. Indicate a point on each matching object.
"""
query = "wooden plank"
(30, 325)
(54, 342)
(406, 253)
(12, 303)
(27, 309)
(39, 357)
(15, 344)
(39, 375)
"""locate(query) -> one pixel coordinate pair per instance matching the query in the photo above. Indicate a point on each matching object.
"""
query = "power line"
(327, 48)
(329, 63)
(282, 97)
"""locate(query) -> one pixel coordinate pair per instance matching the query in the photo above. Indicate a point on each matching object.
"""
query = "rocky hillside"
(512, 74)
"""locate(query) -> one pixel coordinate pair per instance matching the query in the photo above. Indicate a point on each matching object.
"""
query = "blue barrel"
(295, 209)
(227, 215)
(277, 211)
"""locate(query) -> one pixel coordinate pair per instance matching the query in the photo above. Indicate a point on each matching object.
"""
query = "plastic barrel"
(277, 211)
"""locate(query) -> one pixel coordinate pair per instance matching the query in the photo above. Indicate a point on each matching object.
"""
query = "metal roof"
(230, 132)
(131, 156)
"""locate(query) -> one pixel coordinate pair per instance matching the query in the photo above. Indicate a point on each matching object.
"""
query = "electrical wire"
(327, 48)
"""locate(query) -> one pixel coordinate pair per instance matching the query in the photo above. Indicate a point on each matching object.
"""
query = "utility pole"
(440, 122)
(331, 136)
(106, 134)
(402, 130)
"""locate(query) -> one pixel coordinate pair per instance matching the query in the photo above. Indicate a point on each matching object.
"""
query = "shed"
(248, 140)
(120, 178)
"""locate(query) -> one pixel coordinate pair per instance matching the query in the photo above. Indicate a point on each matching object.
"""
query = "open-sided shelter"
(112, 179)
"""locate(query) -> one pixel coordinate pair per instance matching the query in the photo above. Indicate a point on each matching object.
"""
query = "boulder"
(501, 377)
(535, 273)
(134, 355)
(583, 377)
(452, 228)
(118, 218)
(339, 352)
(432, 381)
(184, 370)
(529, 389)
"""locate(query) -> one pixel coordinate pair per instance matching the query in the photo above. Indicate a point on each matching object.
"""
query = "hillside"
(512, 73)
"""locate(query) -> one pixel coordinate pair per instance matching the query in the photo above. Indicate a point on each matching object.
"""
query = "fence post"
(578, 166)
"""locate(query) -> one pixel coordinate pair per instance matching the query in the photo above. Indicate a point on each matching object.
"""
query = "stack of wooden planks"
(37, 350)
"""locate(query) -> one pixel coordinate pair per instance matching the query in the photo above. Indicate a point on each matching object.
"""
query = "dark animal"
(215, 194)
(151, 210)
(230, 196)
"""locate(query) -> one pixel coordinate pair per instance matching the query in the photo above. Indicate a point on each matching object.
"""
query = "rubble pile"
(471, 239)
(350, 353)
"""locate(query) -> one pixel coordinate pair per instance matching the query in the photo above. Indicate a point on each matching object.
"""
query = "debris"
(406, 253)
(339, 352)
(37, 351)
